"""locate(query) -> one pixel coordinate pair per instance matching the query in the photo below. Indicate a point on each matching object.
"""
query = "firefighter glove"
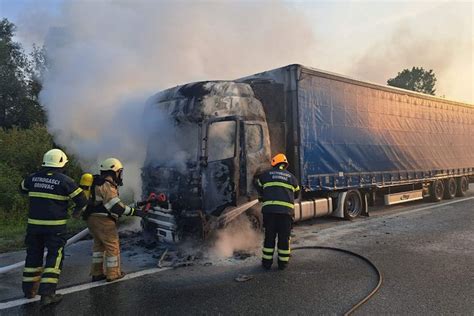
(138, 212)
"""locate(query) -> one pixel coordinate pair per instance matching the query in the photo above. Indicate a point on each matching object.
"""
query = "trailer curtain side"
(356, 134)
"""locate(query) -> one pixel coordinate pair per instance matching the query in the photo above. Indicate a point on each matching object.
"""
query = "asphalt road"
(425, 252)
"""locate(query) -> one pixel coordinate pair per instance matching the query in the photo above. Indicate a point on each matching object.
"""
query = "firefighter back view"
(102, 213)
(277, 188)
(49, 191)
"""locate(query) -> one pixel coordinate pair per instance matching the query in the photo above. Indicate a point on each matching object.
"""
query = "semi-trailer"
(348, 142)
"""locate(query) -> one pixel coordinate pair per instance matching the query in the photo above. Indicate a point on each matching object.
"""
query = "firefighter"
(49, 191)
(277, 188)
(102, 213)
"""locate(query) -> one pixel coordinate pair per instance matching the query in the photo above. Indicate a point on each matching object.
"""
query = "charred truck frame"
(348, 142)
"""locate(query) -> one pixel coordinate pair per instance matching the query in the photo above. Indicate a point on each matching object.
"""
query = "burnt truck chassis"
(215, 186)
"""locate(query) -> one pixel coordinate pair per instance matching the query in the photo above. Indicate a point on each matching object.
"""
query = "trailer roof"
(335, 76)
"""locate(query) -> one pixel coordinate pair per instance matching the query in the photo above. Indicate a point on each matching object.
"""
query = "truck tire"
(462, 186)
(352, 204)
(436, 191)
(449, 189)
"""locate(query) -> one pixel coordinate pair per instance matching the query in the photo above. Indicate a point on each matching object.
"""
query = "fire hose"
(366, 260)
(70, 241)
(152, 199)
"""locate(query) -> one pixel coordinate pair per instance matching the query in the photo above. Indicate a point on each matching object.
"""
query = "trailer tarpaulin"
(347, 128)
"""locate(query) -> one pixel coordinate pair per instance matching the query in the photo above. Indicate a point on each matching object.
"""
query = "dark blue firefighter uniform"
(278, 189)
(49, 192)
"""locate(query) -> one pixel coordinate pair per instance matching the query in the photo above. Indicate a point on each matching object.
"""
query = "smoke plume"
(106, 58)
(238, 236)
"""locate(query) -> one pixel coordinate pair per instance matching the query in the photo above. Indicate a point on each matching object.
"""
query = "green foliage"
(23, 149)
(23, 136)
(19, 86)
(21, 154)
(417, 79)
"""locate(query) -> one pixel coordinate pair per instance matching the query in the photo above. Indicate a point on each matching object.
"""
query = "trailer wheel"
(352, 204)
(449, 189)
(436, 191)
(462, 186)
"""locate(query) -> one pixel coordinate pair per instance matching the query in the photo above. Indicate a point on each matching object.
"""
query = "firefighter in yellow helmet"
(102, 213)
(49, 191)
(277, 188)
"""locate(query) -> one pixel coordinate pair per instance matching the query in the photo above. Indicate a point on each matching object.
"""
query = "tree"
(417, 79)
(18, 90)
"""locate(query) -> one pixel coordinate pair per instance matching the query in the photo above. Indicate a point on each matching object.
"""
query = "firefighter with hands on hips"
(102, 214)
(277, 189)
(49, 191)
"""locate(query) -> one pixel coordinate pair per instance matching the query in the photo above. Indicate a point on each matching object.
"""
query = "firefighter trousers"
(277, 226)
(106, 246)
(34, 274)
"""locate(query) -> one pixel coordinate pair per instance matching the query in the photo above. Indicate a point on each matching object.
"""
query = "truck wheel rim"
(452, 187)
(353, 205)
(439, 189)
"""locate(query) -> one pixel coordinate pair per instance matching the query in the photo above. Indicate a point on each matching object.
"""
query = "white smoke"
(106, 58)
(238, 236)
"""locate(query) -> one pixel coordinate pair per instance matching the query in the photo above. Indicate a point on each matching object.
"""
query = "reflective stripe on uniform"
(268, 250)
(47, 222)
(286, 259)
(280, 184)
(59, 257)
(284, 252)
(48, 196)
(128, 210)
(267, 253)
(97, 257)
(52, 270)
(281, 203)
(32, 279)
(23, 186)
(76, 192)
(259, 183)
(111, 203)
(111, 262)
(49, 280)
(28, 269)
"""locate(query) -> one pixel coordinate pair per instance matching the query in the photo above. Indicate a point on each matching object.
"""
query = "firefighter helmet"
(278, 159)
(54, 158)
(111, 164)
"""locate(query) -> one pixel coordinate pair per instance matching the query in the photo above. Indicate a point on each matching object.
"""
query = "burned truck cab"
(206, 142)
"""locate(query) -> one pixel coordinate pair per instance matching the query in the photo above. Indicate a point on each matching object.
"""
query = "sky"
(107, 57)
(367, 40)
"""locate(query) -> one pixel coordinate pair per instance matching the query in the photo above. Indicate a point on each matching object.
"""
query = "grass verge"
(12, 233)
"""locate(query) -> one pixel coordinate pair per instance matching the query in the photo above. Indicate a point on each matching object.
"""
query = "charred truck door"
(221, 161)
(256, 156)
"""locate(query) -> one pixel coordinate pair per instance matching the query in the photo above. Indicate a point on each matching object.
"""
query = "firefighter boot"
(282, 265)
(50, 299)
(121, 275)
(96, 278)
(267, 264)
(267, 257)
